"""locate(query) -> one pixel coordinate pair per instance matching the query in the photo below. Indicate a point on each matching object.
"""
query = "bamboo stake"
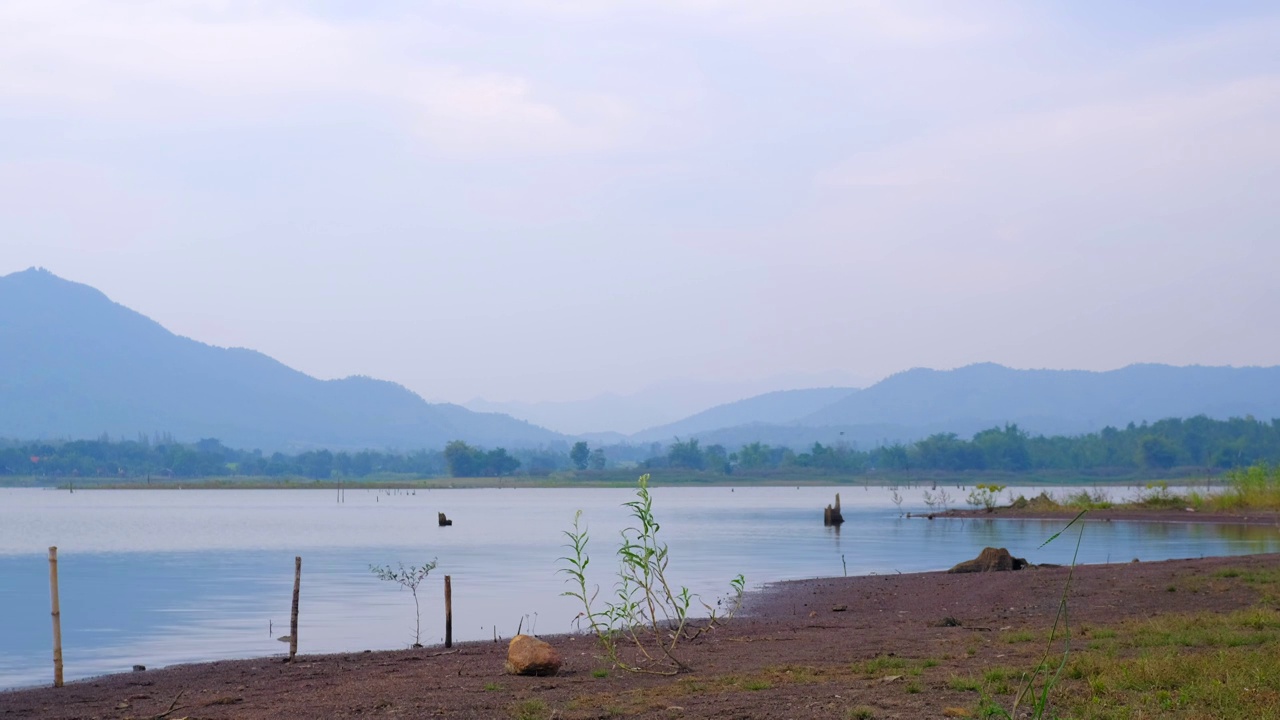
(293, 617)
(57, 617)
(448, 612)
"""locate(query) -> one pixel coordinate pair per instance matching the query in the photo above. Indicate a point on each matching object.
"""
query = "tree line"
(1197, 442)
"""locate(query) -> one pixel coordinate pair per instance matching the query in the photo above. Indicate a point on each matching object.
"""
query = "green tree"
(579, 455)
(1156, 452)
(463, 460)
(498, 463)
(716, 459)
(686, 454)
(597, 460)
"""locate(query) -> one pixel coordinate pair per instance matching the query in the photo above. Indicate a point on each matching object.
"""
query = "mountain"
(917, 403)
(655, 405)
(74, 364)
(782, 406)
(1057, 401)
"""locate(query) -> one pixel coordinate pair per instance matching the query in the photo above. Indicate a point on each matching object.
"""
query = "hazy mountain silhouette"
(783, 406)
(74, 364)
(916, 403)
(616, 416)
(1058, 401)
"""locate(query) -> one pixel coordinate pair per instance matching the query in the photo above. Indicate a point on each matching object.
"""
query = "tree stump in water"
(831, 515)
(444, 521)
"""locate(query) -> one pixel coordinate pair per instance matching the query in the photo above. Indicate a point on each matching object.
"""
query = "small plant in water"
(897, 498)
(985, 495)
(410, 577)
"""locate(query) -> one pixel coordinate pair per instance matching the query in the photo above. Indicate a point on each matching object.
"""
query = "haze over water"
(163, 577)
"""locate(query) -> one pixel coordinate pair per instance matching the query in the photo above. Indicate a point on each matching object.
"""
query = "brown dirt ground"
(791, 654)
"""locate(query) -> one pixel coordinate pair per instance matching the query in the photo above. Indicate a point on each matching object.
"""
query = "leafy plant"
(897, 498)
(985, 495)
(1157, 494)
(648, 613)
(410, 577)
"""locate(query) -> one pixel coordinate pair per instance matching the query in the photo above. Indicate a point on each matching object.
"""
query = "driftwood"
(444, 521)
(831, 515)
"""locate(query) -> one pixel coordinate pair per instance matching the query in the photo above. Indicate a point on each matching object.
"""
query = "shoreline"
(790, 637)
(1167, 516)
(553, 482)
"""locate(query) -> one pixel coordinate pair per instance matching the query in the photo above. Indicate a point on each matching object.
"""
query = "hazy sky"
(551, 199)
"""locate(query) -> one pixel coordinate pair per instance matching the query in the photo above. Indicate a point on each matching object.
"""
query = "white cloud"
(153, 63)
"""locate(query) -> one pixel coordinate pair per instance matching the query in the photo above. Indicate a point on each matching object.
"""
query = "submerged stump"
(831, 515)
(444, 521)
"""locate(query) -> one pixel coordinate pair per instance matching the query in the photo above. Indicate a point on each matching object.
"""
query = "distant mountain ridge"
(782, 406)
(75, 364)
(916, 403)
(621, 415)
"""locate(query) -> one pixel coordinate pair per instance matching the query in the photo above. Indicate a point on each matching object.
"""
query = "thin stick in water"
(293, 617)
(448, 611)
(57, 617)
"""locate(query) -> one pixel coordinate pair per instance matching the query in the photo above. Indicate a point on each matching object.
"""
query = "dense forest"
(1198, 442)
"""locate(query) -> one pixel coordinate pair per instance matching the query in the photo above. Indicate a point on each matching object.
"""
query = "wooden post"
(448, 612)
(57, 617)
(293, 617)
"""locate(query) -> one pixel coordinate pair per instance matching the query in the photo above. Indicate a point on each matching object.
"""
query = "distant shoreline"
(1156, 515)
(611, 480)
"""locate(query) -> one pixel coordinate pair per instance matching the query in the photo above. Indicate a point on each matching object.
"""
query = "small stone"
(531, 656)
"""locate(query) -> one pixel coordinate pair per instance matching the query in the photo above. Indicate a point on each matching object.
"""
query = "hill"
(783, 406)
(1057, 401)
(74, 364)
(916, 403)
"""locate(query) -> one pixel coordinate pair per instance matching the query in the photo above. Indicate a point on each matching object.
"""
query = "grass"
(531, 710)
(964, 684)
(1181, 666)
(878, 665)
(1019, 636)
(1178, 666)
(1255, 488)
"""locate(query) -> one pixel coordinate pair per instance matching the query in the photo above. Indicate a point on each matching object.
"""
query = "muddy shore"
(793, 652)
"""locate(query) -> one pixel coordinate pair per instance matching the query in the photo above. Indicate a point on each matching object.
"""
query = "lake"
(158, 577)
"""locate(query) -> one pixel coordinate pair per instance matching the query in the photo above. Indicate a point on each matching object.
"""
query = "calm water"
(167, 576)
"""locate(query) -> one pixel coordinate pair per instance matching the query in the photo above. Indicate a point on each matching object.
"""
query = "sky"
(538, 200)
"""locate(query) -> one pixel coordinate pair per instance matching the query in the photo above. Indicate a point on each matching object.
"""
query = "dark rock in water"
(990, 560)
(444, 521)
(139, 668)
(831, 515)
